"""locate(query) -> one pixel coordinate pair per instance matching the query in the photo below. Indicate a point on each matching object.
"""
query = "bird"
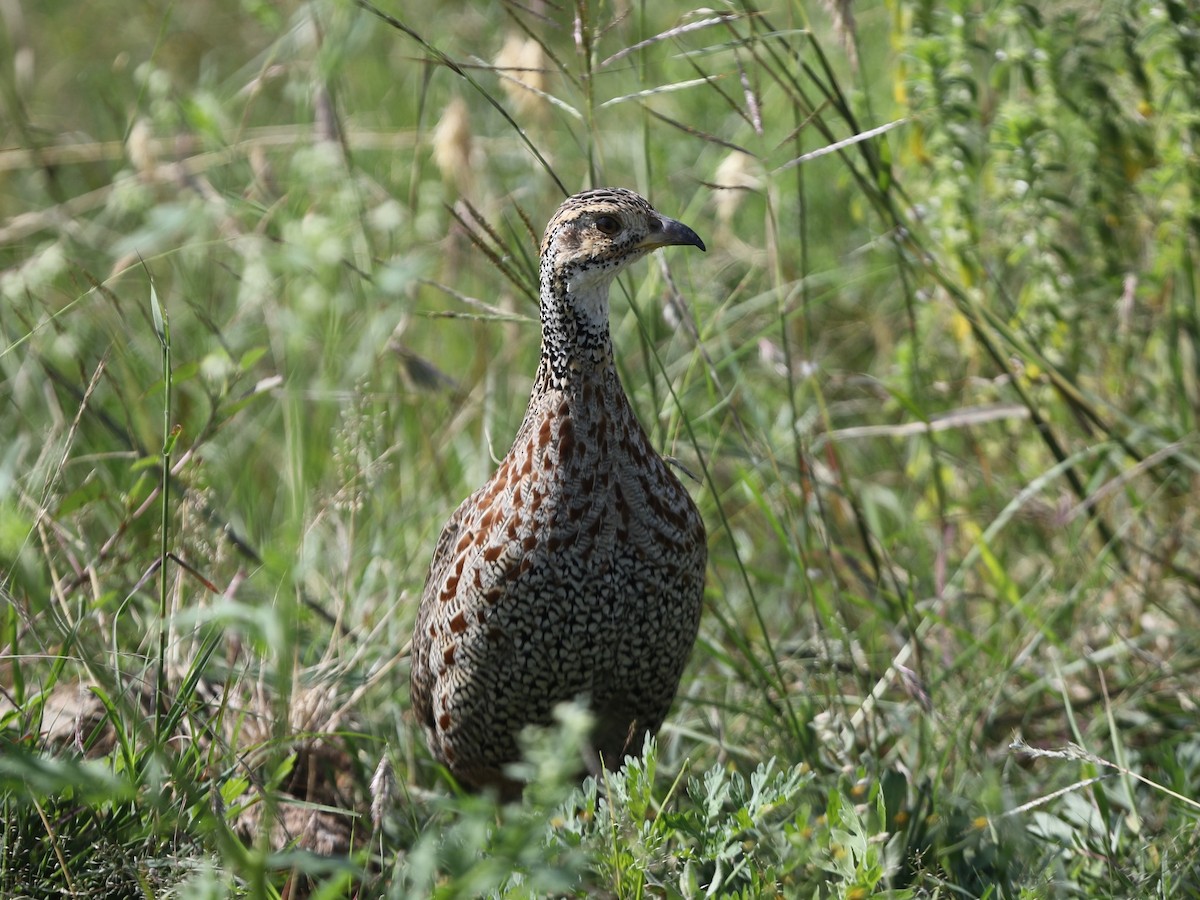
(576, 572)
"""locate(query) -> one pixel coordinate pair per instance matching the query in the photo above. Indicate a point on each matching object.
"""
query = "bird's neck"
(576, 345)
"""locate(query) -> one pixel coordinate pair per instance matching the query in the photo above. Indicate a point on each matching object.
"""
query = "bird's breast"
(598, 477)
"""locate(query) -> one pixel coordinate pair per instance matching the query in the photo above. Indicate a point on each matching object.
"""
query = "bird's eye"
(608, 224)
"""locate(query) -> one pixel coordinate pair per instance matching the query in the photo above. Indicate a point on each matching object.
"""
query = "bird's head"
(594, 235)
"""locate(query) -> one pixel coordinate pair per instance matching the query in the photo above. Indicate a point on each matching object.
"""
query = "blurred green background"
(937, 376)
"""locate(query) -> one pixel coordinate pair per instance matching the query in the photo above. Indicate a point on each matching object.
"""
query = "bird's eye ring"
(608, 224)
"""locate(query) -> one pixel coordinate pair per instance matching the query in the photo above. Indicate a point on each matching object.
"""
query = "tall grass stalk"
(162, 329)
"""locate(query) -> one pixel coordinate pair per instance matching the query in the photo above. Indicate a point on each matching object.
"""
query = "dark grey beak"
(670, 233)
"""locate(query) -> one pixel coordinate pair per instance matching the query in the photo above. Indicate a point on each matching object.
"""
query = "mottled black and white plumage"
(577, 571)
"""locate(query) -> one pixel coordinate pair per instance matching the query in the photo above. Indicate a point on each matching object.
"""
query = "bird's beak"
(670, 233)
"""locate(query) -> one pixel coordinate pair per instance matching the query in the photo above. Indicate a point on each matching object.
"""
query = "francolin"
(577, 570)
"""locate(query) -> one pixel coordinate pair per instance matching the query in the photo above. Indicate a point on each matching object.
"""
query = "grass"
(266, 318)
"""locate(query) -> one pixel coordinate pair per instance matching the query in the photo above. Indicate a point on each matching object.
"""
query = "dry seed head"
(311, 707)
(522, 64)
(140, 147)
(18, 38)
(452, 145)
(383, 790)
(841, 15)
(265, 185)
(23, 68)
(738, 173)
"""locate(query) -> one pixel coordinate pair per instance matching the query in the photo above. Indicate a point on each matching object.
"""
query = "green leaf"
(31, 775)
(250, 357)
(160, 320)
(91, 490)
